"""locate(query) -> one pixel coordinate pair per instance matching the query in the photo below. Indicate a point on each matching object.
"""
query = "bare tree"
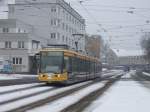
(145, 43)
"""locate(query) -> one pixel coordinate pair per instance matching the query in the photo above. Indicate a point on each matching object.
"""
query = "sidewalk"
(15, 76)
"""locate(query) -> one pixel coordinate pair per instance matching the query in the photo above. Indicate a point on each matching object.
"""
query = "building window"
(53, 35)
(19, 30)
(5, 30)
(53, 22)
(63, 38)
(8, 44)
(21, 44)
(63, 26)
(66, 27)
(17, 61)
(53, 9)
(58, 36)
(35, 44)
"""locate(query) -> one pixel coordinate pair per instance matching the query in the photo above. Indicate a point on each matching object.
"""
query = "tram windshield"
(51, 62)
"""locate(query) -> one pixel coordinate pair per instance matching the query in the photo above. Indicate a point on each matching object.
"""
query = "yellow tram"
(65, 66)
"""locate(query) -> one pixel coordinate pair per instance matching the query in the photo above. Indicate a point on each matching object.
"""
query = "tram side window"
(89, 67)
(95, 68)
(92, 63)
(86, 66)
(92, 67)
(82, 65)
(78, 65)
(70, 64)
(66, 64)
(74, 65)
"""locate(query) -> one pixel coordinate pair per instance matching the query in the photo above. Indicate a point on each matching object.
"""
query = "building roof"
(124, 52)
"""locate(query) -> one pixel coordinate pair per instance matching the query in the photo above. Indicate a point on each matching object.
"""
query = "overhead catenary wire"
(116, 7)
(135, 11)
(92, 17)
(111, 6)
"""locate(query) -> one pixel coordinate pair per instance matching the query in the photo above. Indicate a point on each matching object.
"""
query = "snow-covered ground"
(124, 96)
(15, 76)
(7, 77)
(14, 87)
(104, 69)
(113, 72)
(128, 74)
(36, 98)
(147, 74)
(64, 102)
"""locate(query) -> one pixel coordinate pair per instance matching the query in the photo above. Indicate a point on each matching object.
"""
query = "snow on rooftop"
(124, 52)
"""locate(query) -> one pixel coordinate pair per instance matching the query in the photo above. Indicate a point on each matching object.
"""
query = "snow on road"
(64, 102)
(128, 74)
(13, 87)
(113, 73)
(18, 94)
(147, 74)
(56, 105)
(124, 96)
(36, 98)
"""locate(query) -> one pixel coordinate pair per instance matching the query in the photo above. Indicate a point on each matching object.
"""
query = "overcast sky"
(123, 28)
(120, 22)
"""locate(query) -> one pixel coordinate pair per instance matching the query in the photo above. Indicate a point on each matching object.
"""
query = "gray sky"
(122, 29)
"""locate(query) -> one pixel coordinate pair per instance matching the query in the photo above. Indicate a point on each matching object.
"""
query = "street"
(114, 92)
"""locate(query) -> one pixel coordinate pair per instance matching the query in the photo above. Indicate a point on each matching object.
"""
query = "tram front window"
(51, 62)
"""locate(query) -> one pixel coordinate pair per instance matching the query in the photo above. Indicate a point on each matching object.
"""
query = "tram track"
(45, 100)
(50, 98)
(87, 100)
(26, 96)
(21, 89)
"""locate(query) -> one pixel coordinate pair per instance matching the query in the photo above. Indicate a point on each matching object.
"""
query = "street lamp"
(79, 36)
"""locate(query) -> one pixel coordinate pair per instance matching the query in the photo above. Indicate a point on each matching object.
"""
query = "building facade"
(54, 20)
(130, 57)
(32, 25)
(18, 44)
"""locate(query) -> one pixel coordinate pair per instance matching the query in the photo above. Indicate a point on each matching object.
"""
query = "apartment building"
(18, 44)
(130, 57)
(54, 20)
(33, 24)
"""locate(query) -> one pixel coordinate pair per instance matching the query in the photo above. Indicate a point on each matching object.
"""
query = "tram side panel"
(81, 70)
